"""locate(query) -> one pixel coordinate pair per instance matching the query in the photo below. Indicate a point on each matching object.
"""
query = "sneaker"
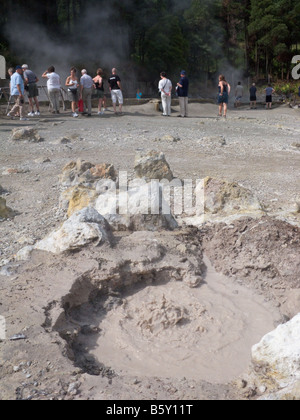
(75, 115)
(31, 114)
(10, 116)
(100, 113)
(37, 113)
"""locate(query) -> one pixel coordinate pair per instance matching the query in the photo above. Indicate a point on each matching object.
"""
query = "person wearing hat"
(182, 92)
(31, 80)
(17, 93)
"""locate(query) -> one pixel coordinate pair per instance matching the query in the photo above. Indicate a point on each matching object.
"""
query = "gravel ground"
(259, 149)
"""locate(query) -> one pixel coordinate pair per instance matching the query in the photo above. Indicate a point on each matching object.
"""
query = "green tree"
(274, 29)
(204, 34)
(165, 47)
(236, 18)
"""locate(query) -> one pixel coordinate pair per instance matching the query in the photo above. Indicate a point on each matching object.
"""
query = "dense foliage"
(260, 37)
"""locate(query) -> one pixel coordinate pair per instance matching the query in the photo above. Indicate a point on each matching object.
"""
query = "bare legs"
(223, 107)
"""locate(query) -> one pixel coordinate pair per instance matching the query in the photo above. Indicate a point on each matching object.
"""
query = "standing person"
(86, 88)
(253, 98)
(10, 72)
(269, 92)
(182, 91)
(138, 95)
(99, 83)
(116, 90)
(31, 80)
(53, 86)
(165, 88)
(17, 93)
(224, 91)
(72, 83)
(239, 92)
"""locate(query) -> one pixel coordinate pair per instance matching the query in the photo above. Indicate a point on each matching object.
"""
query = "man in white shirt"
(86, 87)
(165, 88)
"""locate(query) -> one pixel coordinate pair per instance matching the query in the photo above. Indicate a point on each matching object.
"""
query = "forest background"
(253, 40)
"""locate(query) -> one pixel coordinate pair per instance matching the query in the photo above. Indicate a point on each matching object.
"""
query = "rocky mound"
(264, 252)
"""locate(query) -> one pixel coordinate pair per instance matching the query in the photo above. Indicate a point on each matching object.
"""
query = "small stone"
(73, 388)
(262, 389)
(5, 212)
(241, 383)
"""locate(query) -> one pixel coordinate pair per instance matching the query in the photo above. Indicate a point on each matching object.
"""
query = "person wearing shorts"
(116, 91)
(17, 93)
(31, 80)
(223, 95)
(269, 99)
(99, 91)
(72, 83)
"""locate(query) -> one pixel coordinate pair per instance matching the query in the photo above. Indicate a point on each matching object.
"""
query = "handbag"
(80, 105)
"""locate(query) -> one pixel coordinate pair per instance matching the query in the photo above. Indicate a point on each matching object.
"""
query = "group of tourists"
(224, 91)
(82, 90)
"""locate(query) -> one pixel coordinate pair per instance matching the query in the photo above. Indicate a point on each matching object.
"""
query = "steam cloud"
(98, 43)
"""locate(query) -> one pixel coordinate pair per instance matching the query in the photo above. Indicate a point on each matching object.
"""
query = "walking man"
(17, 93)
(30, 80)
(182, 91)
(86, 87)
(116, 90)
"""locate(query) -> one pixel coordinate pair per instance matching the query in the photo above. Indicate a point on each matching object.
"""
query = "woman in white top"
(72, 83)
(165, 87)
(53, 85)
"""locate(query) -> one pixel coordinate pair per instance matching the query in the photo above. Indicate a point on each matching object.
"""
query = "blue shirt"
(16, 79)
(269, 91)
